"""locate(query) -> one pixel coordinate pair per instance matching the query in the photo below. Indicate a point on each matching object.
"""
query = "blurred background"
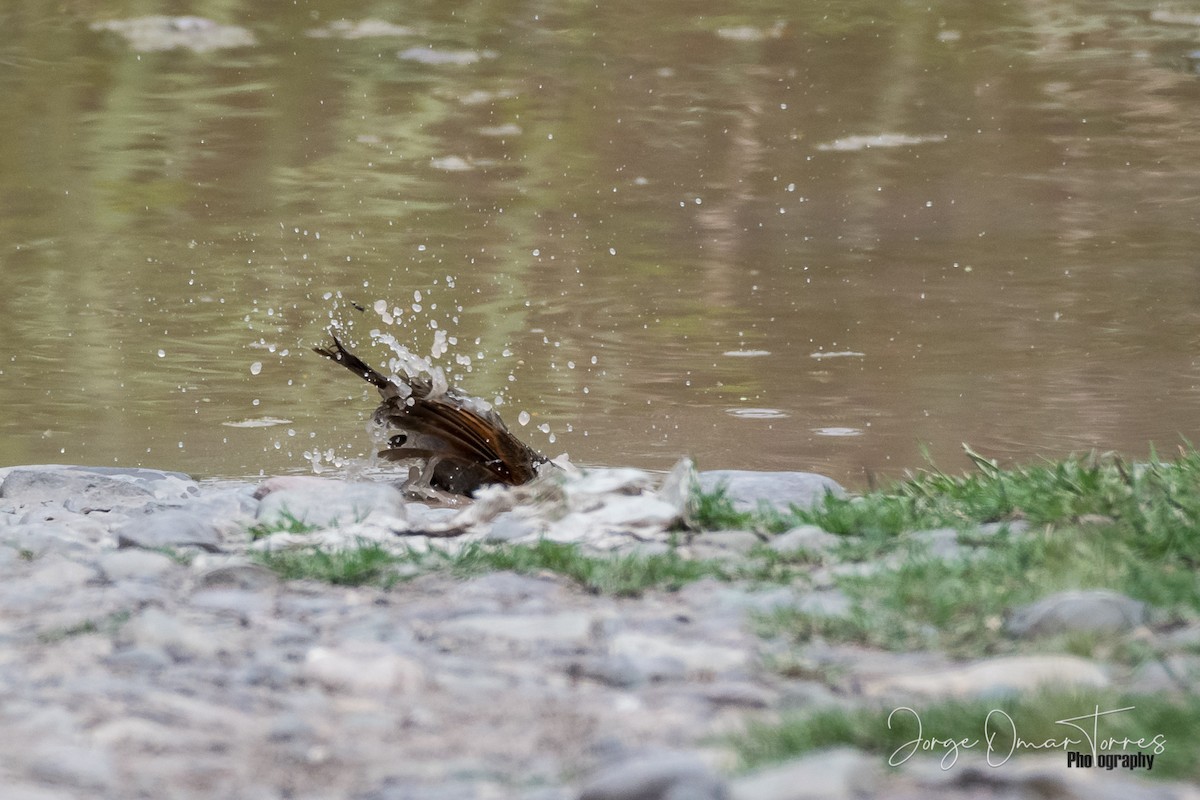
(830, 236)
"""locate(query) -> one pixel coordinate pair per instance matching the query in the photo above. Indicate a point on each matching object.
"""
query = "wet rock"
(169, 529)
(670, 776)
(805, 539)
(1080, 611)
(36, 485)
(839, 774)
(90, 488)
(329, 503)
(153, 33)
(777, 490)
(1009, 675)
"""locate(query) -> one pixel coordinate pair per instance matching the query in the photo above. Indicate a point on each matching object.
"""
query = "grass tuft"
(1033, 717)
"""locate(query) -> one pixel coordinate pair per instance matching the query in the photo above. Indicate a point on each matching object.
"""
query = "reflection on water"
(815, 236)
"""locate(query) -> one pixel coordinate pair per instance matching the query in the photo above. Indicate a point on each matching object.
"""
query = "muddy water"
(821, 236)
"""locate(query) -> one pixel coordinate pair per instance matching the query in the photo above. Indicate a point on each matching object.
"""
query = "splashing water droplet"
(256, 368)
(523, 418)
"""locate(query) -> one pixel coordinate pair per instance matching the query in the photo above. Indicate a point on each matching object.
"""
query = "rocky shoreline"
(146, 652)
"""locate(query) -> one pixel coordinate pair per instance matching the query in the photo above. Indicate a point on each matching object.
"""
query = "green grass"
(1098, 522)
(108, 626)
(621, 575)
(287, 523)
(369, 563)
(1033, 717)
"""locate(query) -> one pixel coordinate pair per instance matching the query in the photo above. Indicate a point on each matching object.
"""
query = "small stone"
(777, 490)
(124, 565)
(1014, 527)
(697, 656)
(240, 603)
(839, 774)
(805, 539)
(168, 529)
(182, 641)
(939, 543)
(363, 670)
(619, 671)
(728, 542)
(83, 767)
(568, 627)
(327, 504)
(1080, 611)
(237, 575)
(671, 776)
(509, 526)
(738, 694)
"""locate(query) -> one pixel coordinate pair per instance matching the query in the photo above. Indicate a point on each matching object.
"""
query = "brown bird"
(463, 442)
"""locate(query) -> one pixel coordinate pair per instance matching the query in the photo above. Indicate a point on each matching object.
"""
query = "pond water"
(829, 236)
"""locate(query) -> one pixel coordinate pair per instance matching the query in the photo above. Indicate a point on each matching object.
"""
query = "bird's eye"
(398, 440)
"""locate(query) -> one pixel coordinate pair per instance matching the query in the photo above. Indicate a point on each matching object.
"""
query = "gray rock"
(805, 539)
(170, 529)
(619, 671)
(154, 628)
(697, 656)
(1174, 673)
(240, 603)
(126, 565)
(1079, 611)
(567, 627)
(73, 765)
(825, 603)
(724, 543)
(778, 490)
(139, 659)
(737, 694)
(840, 774)
(237, 575)
(940, 543)
(327, 504)
(672, 776)
(508, 526)
(94, 487)
(1015, 527)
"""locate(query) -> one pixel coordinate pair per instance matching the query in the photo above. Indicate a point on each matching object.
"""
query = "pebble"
(805, 539)
(125, 670)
